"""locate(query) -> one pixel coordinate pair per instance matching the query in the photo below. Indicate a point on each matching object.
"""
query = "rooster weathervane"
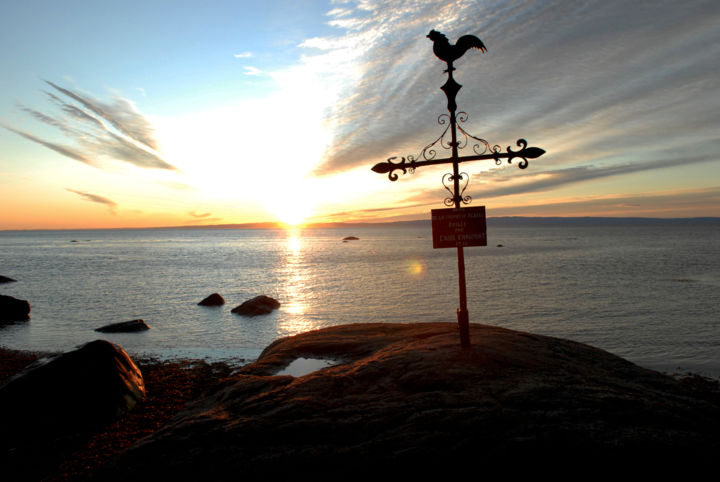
(471, 225)
(450, 53)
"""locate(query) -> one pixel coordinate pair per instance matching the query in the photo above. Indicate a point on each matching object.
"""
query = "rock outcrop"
(69, 392)
(5, 279)
(131, 326)
(213, 300)
(260, 305)
(350, 238)
(13, 309)
(407, 400)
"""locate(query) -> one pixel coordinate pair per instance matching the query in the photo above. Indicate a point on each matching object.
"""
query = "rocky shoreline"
(399, 399)
(170, 385)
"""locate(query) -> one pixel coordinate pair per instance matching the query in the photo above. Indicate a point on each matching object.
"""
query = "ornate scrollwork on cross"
(448, 181)
(523, 153)
(481, 149)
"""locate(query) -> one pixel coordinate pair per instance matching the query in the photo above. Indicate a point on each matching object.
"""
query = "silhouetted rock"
(407, 400)
(350, 238)
(213, 300)
(124, 327)
(500, 246)
(69, 392)
(5, 279)
(260, 305)
(13, 309)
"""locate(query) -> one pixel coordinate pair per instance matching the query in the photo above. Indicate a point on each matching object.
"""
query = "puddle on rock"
(303, 366)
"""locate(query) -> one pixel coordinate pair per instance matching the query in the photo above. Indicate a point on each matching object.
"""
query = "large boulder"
(407, 401)
(213, 300)
(13, 309)
(5, 279)
(260, 305)
(131, 326)
(70, 392)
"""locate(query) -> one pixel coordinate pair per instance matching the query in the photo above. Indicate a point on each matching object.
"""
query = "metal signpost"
(457, 227)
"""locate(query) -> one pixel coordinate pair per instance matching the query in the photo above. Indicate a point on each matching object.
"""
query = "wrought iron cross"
(481, 151)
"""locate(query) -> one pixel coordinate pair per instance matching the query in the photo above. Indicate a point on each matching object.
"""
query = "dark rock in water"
(124, 327)
(350, 238)
(260, 305)
(500, 246)
(407, 400)
(213, 300)
(13, 309)
(5, 279)
(68, 393)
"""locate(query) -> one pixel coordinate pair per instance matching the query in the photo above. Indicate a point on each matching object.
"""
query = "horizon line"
(340, 224)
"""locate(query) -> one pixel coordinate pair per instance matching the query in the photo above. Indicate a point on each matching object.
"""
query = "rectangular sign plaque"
(459, 227)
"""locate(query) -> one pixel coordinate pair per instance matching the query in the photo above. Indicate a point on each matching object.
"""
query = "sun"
(292, 217)
(292, 211)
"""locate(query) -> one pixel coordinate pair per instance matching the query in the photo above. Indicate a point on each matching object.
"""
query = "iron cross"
(481, 151)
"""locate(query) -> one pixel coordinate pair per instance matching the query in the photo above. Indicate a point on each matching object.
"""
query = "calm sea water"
(650, 294)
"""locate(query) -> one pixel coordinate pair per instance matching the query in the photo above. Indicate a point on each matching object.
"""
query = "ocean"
(646, 291)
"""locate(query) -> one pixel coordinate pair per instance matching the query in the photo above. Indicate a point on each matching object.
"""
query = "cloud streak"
(60, 149)
(111, 205)
(508, 181)
(249, 70)
(98, 130)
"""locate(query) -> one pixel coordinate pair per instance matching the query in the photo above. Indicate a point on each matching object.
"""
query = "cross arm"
(410, 163)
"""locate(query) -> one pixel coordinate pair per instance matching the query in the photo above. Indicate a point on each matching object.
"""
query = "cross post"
(481, 151)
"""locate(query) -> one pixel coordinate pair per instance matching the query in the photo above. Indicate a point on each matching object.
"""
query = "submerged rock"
(69, 392)
(13, 309)
(5, 279)
(260, 305)
(407, 400)
(213, 300)
(124, 327)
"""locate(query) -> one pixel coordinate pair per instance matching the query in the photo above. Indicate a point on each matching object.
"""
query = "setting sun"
(292, 214)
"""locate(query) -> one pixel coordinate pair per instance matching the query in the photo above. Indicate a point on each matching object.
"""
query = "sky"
(169, 113)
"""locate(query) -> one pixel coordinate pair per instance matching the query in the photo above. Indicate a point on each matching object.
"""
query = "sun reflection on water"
(297, 287)
(415, 268)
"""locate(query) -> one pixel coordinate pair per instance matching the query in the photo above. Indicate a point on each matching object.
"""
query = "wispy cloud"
(199, 215)
(120, 113)
(544, 180)
(97, 129)
(111, 205)
(509, 180)
(60, 149)
(203, 220)
(249, 70)
(680, 203)
(243, 55)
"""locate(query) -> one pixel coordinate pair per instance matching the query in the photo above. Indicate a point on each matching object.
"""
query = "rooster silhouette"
(449, 53)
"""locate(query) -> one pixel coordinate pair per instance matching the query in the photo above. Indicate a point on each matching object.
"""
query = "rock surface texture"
(69, 392)
(131, 326)
(406, 400)
(213, 300)
(260, 305)
(13, 309)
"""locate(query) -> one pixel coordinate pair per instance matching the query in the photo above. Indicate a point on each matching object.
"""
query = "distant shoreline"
(492, 221)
